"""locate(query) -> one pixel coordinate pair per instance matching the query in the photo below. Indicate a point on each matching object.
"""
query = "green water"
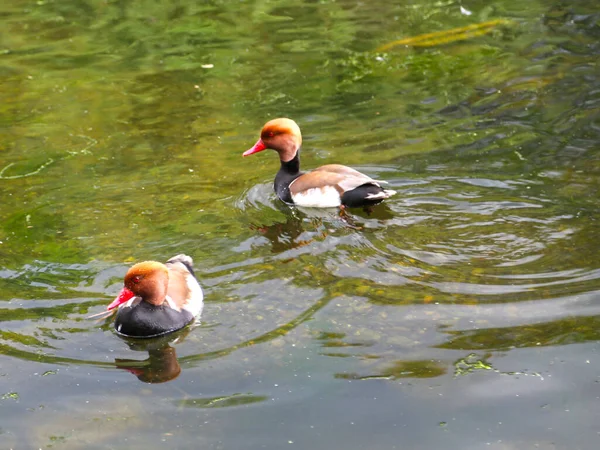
(463, 313)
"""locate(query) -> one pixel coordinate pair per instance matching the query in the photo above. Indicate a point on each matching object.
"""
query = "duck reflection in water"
(286, 235)
(305, 225)
(161, 365)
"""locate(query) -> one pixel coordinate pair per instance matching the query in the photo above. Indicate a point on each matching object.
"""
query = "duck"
(328, 186)
(157, 299)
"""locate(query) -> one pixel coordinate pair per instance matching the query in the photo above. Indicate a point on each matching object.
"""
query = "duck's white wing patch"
(320, 197)
(195, 301)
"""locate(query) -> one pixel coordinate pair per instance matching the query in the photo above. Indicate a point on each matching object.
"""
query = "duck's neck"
(288, 172)
(155, 300)
(156, 293)
(292, 166)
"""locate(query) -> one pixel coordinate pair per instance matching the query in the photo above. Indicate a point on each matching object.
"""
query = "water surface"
(461, 313)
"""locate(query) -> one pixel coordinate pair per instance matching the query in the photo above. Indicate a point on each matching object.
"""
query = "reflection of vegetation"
(57, 440)
(332, 341)
(58, 311)
(48, 359)
(335, 340)
(446, 36)
(23, 339)
(472, 363)
(85, 150)
(11, 395)
(570, 330)
(265, 337)
(401, 369)
(222, 402)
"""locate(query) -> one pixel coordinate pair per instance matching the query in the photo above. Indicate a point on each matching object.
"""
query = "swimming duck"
(157, 298)
(332, 185)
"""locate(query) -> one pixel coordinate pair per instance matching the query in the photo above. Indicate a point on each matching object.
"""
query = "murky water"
(462, 313)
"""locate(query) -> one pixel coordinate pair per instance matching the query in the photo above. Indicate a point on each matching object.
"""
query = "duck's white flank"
(324, 197)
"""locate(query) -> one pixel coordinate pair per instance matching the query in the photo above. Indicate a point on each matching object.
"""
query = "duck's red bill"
(123, 296)
(258, 147)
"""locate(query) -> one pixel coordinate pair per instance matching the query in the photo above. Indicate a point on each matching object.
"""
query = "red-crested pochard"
(328, 186)
(158, 298)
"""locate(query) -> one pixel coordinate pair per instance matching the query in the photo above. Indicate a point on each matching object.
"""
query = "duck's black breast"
(144, 320)
(288, 172)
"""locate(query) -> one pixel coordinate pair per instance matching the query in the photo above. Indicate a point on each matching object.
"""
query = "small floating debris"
(11, 395)
(465, 11)
(102, 315)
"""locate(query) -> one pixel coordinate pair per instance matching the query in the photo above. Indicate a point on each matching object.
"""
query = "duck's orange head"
(148, 280)
(282, 135)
